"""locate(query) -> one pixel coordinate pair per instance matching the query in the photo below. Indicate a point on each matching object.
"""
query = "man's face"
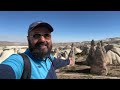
(40, 43)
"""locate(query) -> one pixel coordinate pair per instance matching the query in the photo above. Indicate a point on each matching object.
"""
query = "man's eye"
(36, 36)
(47, 35)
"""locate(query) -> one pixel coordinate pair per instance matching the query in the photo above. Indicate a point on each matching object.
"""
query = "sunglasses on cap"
(38, 35)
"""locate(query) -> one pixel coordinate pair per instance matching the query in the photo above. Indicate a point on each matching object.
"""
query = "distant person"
(39, 54)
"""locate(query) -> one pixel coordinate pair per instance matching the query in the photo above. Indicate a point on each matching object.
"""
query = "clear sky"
(69, 26)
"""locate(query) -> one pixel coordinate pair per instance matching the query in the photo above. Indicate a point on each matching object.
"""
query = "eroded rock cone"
(99, 65)
(72, 55)
(90, 57)
(97, 59)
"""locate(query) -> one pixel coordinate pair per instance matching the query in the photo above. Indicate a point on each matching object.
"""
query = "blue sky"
(75, 26)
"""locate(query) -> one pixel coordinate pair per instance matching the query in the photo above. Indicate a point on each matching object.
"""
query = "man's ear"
(27, 37)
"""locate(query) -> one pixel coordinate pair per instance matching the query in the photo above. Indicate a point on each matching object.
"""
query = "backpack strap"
(27, 67)
(51, 60)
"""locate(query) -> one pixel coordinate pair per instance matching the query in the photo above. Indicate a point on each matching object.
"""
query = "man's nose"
(41, 38)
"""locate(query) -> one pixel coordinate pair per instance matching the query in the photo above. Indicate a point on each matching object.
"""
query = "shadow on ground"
(78, 71)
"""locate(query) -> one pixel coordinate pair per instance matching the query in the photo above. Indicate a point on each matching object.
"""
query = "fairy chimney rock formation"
(97, 59)
(72, 54)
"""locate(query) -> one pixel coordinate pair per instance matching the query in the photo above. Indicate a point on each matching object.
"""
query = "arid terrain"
(82, 71)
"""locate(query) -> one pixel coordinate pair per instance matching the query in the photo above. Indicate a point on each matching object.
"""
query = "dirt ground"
(82, 71)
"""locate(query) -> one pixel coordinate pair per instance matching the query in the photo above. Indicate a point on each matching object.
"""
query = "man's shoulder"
(13, 58)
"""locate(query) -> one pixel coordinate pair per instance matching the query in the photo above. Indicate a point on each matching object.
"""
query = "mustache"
(40, 44)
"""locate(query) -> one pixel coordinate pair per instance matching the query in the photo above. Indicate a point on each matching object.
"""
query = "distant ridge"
(7, 43)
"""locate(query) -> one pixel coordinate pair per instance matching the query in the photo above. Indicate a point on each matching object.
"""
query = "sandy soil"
(82, 71)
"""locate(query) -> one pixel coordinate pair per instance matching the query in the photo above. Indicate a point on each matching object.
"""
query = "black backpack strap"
(27, 67)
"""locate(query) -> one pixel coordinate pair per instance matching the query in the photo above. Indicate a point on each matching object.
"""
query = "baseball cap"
(40, 24)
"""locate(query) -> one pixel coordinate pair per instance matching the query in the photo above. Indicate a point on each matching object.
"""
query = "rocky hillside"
(7, 43)
(107, 40)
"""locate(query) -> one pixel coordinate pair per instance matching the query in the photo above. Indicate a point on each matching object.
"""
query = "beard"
(39, 52)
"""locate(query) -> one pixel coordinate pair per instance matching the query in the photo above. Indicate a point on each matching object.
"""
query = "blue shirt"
(40, 68)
